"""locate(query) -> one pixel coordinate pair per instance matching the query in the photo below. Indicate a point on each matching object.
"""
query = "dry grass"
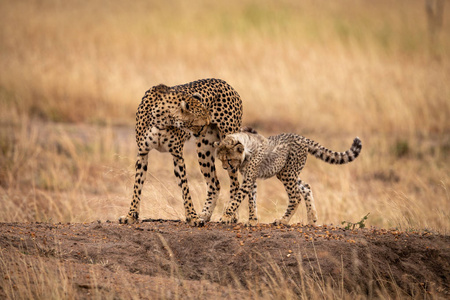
(328, 71)
(32, 277)
(369, 62)
(40, 277)
(72, 75)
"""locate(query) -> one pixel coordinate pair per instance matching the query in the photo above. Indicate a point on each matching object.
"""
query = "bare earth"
(169, 259)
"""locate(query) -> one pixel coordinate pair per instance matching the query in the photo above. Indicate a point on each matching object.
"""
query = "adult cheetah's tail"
(333, 157)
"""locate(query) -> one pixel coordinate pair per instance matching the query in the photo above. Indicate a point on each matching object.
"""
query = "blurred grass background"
(72, 75)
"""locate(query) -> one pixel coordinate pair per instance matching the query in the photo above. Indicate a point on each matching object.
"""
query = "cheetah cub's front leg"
(252, 217)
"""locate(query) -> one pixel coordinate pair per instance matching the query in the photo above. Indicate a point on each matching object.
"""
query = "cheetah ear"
(184, 106)
(227, 142)
(162, 89)
(240, 148)
(197, 96)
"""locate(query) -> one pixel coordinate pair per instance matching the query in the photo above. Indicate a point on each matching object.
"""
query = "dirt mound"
(168, 259)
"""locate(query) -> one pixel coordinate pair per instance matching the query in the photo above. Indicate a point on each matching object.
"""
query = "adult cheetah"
(160, 126)
(283, 156)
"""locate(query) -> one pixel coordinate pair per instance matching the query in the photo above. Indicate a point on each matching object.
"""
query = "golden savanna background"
(72, 74)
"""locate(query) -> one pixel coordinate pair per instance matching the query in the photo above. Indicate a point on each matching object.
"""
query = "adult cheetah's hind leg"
(139, 178)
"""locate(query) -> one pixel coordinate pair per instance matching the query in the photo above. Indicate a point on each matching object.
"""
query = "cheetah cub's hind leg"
(294, 194)
(305, 189)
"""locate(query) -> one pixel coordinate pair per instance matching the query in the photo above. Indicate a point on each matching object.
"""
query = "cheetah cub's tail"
(332, 157)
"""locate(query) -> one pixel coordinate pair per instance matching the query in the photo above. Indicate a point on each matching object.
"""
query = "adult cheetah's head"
(191, 114)
(231, 152)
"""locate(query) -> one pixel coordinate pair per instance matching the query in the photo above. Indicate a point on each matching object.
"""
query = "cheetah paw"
(206, 217)
(252, 222)
(280, 221)
(312, 222)
(227, 219)
(128, 220)
(195, 222)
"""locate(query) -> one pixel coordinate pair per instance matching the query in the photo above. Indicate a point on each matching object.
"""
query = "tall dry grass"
(41, 277)
(51, 277)
(72, 75)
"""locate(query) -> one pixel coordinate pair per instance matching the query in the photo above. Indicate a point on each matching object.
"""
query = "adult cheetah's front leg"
(206, 161)
(206, 158)
(169, 140)
(180, 173)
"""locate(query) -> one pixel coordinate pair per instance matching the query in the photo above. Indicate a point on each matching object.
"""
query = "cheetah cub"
(283, 156)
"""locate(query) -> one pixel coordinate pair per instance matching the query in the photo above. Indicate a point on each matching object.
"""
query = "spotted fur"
(283, 156)
(165, 119)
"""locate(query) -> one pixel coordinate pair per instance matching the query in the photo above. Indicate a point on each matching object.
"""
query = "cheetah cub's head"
(231, 152)
(191, 114)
